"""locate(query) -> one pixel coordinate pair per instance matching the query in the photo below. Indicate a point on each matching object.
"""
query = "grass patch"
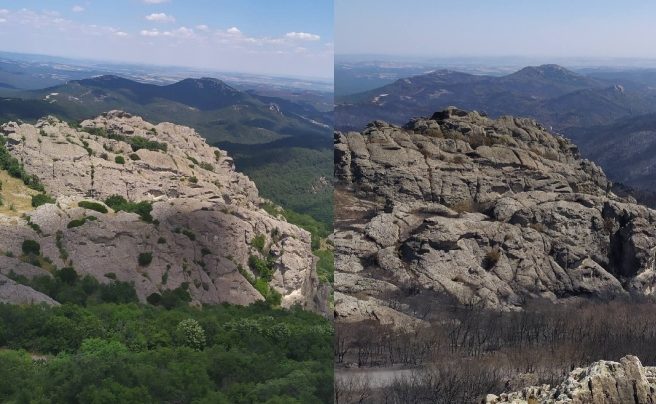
(98, 207)
(41, 199)
(14, 193)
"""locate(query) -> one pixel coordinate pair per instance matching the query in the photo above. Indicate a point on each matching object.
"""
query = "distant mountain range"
(255, 129)
(550, 93)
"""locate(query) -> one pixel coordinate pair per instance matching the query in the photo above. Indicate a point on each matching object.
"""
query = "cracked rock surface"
(205, 213)
(487, 212)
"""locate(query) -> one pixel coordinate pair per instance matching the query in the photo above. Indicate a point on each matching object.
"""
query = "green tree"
(191, 334)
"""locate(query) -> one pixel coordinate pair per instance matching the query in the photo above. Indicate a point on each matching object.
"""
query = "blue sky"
(283, 37)
(557, 28)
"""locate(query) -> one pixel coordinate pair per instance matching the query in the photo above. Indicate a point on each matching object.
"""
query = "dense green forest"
(131, 353)
(297, 178)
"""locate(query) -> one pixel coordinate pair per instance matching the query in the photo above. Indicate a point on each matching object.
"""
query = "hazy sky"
(285, 37)
(560, 28)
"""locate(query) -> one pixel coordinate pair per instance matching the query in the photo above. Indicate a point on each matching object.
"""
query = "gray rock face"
(206, 214)
(603, 382)
(488, 212)
(15, 293)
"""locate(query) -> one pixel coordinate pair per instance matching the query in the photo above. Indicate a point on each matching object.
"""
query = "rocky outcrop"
(15, 293)
(487, 212)
(205, 215)
(603, 382)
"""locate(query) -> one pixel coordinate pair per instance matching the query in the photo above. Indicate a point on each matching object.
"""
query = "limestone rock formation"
(15, 293)
(487, 212)
(603, 382)
(205, 215)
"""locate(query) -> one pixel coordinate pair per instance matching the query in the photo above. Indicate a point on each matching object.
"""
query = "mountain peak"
(546, 70)
(205, 82)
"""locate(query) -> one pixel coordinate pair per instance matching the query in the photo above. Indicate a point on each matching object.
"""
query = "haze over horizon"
(546, 31)
(292, 39)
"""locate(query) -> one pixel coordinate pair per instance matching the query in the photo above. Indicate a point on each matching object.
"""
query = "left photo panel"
(166, 201)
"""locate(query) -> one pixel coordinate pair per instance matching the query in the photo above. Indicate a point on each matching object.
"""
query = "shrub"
(67, 275)
(154, 298)
(193, 180)
(258, 242)
(206, 166)
(41, 199)
(134, 157)
(119, 160)
(138, 142)
(98, 207)
(145, 259)
(142, 208)
(31, 247)
(76, 222)
(175, 298)
(264, 268)
(161, 240)
(118, 292)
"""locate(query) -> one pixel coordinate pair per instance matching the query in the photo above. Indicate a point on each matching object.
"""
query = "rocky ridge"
(626, 381)
(205, 215)
(488, 212)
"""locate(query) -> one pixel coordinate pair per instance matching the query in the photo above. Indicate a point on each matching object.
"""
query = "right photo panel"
(495, 179)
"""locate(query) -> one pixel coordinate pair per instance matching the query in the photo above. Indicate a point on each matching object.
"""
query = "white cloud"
(4, 11)
(182, 32)
(121, 33)
(302, 36)
(155, 1)
(77, 9)
(152, 32)
(3, 20)
(202, 27)
(233, 30)
(160, 17)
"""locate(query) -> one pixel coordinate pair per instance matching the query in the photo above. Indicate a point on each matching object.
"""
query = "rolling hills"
(550, 93)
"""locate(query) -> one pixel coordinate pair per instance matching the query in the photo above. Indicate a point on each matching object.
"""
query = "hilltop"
(489, 213)
(155, 206)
